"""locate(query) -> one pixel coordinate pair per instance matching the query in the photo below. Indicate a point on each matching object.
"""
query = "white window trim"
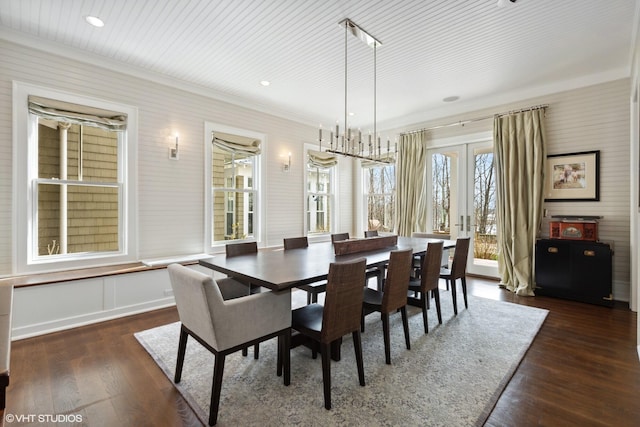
(23, 215)
(320, 237)
(258, 220)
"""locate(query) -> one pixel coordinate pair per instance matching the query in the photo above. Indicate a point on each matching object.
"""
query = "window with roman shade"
(234, 180)
(74, 163)
(320, 191)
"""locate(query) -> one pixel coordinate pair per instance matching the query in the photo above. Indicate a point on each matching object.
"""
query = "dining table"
(281, 270)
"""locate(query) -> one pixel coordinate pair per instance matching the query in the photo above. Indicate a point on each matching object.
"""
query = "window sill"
(79, 274)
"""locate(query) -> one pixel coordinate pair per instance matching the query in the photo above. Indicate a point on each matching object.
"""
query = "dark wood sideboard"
(576, 270)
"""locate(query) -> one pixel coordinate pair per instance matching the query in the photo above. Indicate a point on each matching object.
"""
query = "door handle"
(461, 223)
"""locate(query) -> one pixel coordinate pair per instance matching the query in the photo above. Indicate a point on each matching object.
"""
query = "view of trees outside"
(484, 201)
(380, 189)
(484, 207)
(441, 203)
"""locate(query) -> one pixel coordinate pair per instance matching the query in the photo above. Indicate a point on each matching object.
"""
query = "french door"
(462, 185)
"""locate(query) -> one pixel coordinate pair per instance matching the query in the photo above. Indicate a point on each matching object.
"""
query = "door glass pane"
(484, 206)
(441, 169)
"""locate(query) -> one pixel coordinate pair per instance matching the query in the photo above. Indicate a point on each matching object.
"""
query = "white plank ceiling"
(432, 49)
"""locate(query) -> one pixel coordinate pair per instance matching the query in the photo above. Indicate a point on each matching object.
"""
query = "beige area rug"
(452, 376)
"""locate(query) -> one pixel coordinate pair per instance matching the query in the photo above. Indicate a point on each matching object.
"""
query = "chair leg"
(256, 351)
(436, 297)
(245, 351)
(182, 347)
(3, 393)
(286, 347)
(464, 291)
(385, 333)
(218, 370)
(405, 324)
(279, 358)
(357, 345)
(325, 351)
(447, 283)
(309, 296)
(423, 303)
(454, 297)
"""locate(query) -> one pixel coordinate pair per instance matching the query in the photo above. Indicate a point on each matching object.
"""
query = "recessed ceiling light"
(352, 113)
(265, 83)
(94, 20)
(450, 98)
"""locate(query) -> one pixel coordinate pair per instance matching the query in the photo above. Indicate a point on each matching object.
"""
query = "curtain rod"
(477, 119)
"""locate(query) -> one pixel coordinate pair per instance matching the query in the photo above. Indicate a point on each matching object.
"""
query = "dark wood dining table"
(281, 270)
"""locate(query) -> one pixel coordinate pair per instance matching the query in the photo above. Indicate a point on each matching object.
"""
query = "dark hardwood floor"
(581, 370)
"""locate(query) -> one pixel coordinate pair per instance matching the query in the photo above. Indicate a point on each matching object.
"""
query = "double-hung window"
(235, 161)
(379, 186)
(73, 189)
(320, 192)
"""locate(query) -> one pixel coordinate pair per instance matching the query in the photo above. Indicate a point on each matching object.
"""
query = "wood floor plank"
(581, 370)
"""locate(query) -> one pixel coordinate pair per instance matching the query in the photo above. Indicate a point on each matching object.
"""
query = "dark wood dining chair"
(418, 259)
(377, 273)
(312, 289)
(392, 299)
(337, 237)
(428, 281)
(225, 325)
(339, 316)
(458, 270)
(371, 233)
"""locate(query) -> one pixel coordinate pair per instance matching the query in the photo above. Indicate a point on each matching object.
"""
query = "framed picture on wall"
(573, 177)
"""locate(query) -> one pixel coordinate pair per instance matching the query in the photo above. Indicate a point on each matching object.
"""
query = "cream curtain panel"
(519, 144)
(61, 111)
(411, 191)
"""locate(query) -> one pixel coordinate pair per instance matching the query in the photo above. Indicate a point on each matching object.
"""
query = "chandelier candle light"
(349, 143)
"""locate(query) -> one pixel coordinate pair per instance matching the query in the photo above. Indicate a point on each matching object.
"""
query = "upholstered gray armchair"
(224, 324)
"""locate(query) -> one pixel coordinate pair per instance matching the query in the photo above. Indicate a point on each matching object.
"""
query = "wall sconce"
(173, 151)
(287, 166)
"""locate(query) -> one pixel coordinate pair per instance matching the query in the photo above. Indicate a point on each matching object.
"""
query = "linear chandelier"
(351, 143)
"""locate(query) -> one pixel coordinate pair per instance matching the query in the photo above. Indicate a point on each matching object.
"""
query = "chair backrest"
(430, 270)
(430, 235)
(235, 249)
(371, 233)
(295, 242)
(396, 284)
(193, 292)
(460, 255)
(339, 236)
(343, 300)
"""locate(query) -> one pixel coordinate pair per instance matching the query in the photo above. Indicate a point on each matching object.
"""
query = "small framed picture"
(573, 177)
